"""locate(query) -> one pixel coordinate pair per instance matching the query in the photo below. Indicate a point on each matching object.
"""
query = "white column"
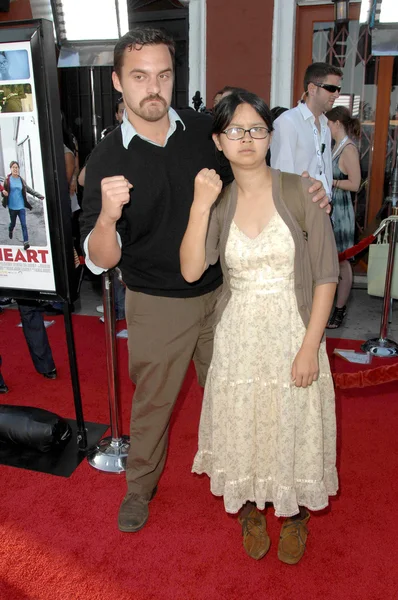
(197, 49)
(283, 41)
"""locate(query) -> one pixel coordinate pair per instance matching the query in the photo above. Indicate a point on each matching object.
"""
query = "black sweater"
(154, 222)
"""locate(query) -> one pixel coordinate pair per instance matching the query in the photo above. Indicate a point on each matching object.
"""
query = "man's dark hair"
(226, 108)
(118, 102)
(137, 38)
(318, 72)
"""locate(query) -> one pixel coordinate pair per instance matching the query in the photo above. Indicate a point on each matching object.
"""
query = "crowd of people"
(220, 227)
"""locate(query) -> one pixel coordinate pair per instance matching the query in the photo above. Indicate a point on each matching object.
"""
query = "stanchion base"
(110, 455)
(383, 348)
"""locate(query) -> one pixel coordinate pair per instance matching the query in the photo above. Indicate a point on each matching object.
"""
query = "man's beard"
(154, 112)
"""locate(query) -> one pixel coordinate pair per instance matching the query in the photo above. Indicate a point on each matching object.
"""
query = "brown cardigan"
(316, 260)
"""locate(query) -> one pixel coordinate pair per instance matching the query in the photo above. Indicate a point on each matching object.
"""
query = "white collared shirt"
(128, 132)
(294, 147)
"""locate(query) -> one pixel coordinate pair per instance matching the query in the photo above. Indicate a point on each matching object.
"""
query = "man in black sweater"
(137, 197)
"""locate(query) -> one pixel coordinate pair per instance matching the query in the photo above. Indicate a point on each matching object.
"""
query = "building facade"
(265, 46)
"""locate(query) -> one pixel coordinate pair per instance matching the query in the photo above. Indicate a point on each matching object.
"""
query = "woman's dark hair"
(351, 125)
(137, 38)
(14, 162)
(226, 108)
(277, 111)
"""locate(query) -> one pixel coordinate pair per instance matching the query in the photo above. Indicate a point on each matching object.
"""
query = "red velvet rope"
(361, 379)
(350, 252)
(378, 375)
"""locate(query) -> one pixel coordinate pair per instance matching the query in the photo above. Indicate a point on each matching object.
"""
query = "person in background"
(14, 194)
(227, 89)
(71, 168)
(119, 287)
(35, 333)
(275, 112)
(301, 140)
(119, 112)
(268, 427)
(346, 180)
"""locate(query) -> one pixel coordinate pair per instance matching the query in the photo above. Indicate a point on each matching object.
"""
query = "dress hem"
(313, 495)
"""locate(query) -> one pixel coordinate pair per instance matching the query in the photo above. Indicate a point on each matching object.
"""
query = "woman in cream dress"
(267, 431)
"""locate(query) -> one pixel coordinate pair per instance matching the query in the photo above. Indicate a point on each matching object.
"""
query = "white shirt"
(294, 145)
(128, 132)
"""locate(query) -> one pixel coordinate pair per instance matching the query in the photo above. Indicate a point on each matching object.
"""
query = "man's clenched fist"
(115, 193)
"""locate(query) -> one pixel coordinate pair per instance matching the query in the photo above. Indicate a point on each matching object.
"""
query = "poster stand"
(81, 432)
(40, 267)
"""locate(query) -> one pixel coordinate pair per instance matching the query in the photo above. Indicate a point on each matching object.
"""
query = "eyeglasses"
(328, 87)
(238, 133)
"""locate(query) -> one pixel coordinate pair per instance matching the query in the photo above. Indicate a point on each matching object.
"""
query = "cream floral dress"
(261, 438)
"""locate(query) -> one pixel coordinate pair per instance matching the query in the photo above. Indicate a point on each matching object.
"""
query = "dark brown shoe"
(292, 540)
(134, 511)
(256, 541)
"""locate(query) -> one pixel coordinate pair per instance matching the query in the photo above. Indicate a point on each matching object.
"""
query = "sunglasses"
(328, 87)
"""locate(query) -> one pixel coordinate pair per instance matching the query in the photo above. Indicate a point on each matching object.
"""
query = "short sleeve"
(213, 237)
(321, 242)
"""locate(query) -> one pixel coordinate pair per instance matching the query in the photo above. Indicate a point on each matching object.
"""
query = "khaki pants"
(164, 334)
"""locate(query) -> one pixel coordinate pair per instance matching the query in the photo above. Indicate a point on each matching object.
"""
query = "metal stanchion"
(382, 346)
(111, 452)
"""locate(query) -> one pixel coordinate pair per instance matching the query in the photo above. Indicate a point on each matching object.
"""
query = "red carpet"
(59, 536)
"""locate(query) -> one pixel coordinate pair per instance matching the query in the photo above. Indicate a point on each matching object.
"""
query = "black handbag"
(34, 427)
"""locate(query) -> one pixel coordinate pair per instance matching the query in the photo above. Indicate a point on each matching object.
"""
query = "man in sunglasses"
(301, 140)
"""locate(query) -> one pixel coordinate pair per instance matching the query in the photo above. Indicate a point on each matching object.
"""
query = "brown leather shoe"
(134, 511)
(292, 540)
(256, 541)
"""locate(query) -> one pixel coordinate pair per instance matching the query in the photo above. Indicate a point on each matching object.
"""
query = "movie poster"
(25, 250)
